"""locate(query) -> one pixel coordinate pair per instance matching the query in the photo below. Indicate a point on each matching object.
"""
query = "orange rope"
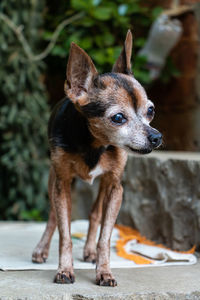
(127, 234)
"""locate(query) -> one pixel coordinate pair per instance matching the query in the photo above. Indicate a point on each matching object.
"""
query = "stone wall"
(161, 198)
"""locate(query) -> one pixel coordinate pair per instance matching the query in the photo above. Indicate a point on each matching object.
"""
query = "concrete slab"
(182, 282)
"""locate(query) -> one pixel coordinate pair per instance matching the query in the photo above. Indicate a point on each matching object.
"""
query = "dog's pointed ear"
(123, 63)
(80, 73)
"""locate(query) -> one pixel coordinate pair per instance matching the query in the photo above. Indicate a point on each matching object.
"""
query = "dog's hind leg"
(62, 201)
(89, 254)
(41, 251)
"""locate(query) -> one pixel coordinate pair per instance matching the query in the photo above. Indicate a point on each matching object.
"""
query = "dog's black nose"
(155, 138)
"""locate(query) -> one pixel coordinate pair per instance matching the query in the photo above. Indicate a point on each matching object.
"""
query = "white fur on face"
(132, 133)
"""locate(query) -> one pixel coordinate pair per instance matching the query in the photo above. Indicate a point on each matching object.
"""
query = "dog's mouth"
(140, 151)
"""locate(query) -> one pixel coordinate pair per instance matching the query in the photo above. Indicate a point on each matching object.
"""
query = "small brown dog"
(90, 132)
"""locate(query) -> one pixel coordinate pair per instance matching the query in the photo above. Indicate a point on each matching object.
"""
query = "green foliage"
(101, 31)
(23, 118)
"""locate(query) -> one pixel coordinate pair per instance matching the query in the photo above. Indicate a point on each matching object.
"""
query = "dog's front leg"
(95, 219)
(62, 201)
(111, 206)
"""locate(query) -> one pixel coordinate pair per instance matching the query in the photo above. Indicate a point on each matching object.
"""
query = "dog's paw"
(106, 279)
(39, 256)
(90, 256)
(64, 277)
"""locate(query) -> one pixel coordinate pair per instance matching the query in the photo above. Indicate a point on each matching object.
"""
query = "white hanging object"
(163, 36)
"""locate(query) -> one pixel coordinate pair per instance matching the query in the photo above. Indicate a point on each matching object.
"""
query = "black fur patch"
(68, 129)
(94, 109)
(111, 148)
(93, 155)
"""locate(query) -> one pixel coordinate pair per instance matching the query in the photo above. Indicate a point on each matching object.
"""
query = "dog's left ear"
(80, 74)
(123, 63)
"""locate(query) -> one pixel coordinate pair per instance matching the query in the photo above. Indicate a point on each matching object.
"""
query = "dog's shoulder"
(114, 160)
(68, 128)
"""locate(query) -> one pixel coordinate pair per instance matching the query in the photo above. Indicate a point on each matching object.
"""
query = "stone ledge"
(150, 283)
(174, 155)
(161, 197)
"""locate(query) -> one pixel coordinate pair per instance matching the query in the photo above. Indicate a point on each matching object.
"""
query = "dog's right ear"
(80, 73)
(123, 63)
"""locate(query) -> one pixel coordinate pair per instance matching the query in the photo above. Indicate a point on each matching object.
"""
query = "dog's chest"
(94, 173)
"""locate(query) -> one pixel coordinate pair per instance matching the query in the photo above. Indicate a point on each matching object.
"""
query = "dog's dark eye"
(119, 118)
(150, 111)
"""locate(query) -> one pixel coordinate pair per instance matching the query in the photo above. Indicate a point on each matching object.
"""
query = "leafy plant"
(23, 117)
(100, 32)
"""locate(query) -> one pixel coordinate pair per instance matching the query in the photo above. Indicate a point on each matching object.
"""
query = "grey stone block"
(161, 198)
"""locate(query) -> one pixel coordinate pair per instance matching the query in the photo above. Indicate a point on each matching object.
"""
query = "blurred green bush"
(101, 31)
(23, 100)
(23, 118)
